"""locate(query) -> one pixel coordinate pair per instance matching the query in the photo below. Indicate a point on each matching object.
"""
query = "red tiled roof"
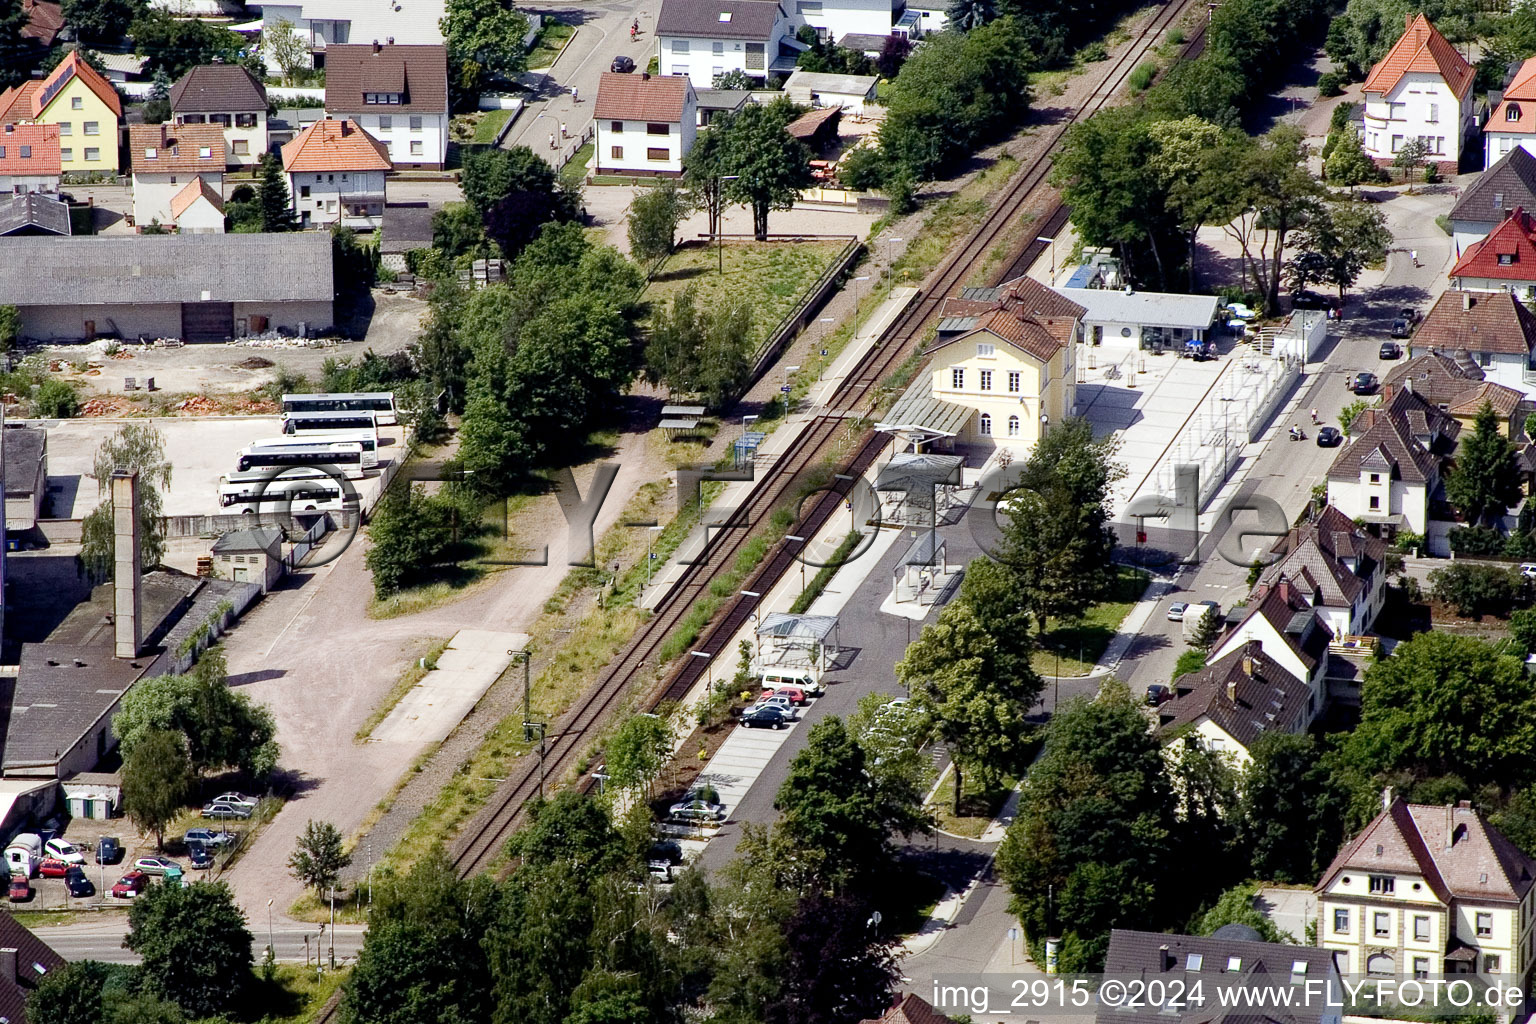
(1519, 99)
(641, 97)
(1504, 400)
(44, 21)
(73, 66)
(332, 145)
(42, 142)
(176, 148)
(910, 1009)
(16, 102)
(1421, 48)
(196, 189)
(1507, 254)
(1523, 85)
(1477, 322)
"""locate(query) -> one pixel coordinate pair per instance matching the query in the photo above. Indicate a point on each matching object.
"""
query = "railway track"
(480, 845)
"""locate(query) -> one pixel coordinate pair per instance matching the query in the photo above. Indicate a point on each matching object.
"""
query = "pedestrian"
(575, 95)
(1413, 254)
(551, 140)
(1314, 417)
(563, 133)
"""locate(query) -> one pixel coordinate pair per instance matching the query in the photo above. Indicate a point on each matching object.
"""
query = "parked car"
(1391, 350)
(52, 867)
(784, 704)
(1158, 694)
(1528, 570)
(1176, 611)
(794, 694)
(699, 805)
(63, 850)
(108, 850)
(130, 885)
(223, 809)
(154, 865)
(1363, 383)
(1410, 314)
(1308, 300)
(21, 889)
(208, 837)
(78, 885)
(1241, 311)
(199, 856)
(1401, 328)
(663, 859)
(1329, 437)
(623, 65)
(236, 798)
(764, 718)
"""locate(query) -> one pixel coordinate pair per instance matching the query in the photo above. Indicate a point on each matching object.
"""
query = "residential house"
(398, 94)
(192, 286)
(834, 19)
(910, 1009)
(855, 94)
(1454, 384)
(29, 158)
(1390, 471)
(26, 475)
(1339, 568)
(1004, 371)
(1145, 320)
(123, 68)
(25, 960)
(1234, 700)
(1232, 956)
(34, 213)
(229, 96)
(251, 556)
(1512, 123)
(1494, 328)
(45, 23)
(198, 209)
(1290, 633)
(1428, 890)
(336, 175)
(322, 24)
(713, 103)
(1504, 261)
(1422, 89)
(165, 158)
(82, 103)
(703, 39)
(646, 124)
(1485, 203)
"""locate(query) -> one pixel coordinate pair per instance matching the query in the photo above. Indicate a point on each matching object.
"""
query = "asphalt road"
(100, 937)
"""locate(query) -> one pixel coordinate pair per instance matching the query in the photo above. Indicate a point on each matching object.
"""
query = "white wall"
(430, 140)
(1469, 232)
(837, 18)
(850, 102)
(201, 218)
(15, 184)
(252, 139)
(1421, 105)
(701, 62)
(636, 144)
(1497, 145)
(1398, 498)
(152, 194)
(319, 196)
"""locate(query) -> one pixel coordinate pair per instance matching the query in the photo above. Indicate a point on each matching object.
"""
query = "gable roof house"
(1430, 890)
(322, 24)
(1339, 568)
(1003, 369)
(646, 124)
(198, 209)
(703, 39)
(1289, 632)
(25, 960)
(1495, 329)
(82, 103)
(45, 23)
(1504, 261)
(397, 93)
(1422, 89)
(229, 96)
(166, 157)
(1391, 470)
(1236, 699)
(1511, 124)
(29, 158)
(1484, 204)
(336, 174)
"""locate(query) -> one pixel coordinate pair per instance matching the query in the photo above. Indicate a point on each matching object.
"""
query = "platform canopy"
(926, 550)
(909, 472)
(797, 627)
(919, 414)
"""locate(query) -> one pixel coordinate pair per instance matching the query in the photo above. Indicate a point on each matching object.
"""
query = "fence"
(308, 541)
(809, 305)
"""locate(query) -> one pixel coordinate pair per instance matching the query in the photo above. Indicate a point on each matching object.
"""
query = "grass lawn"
(489, 125)
(979, 804)
(574, 173)
(1077, 646)
(294, 995)
(770, 275)
(552, 37)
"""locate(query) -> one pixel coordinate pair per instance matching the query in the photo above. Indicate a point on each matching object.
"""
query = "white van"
(24, 853)
(807, 680)
(1196, 615)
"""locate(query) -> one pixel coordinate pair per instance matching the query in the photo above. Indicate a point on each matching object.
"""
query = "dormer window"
(1512, 112)
(381, 98)
(1506, 259)
(1195, 962)
(151, 153)
(1234, 963)
(205, 152)
(1498, 200)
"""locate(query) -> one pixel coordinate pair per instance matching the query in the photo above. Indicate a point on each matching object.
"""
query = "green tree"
(157, 110)
(411, 535)
(951, 673)
(653, 219)
(10, 327)
(1349, 237)
(1486, 478)
(136, 448)
(485, 46)
(176, 45)
(287, 49)
(1410, 158)
(1522, 629)
(1517, 819)
(1476, 590)
(1095, 833)
(272, 199)
(1445, 704)
(18, 55)
(1207, 630)
(1289, 819)
(1236, 906)
(223, 727)
(1351, 413)
(893, 737)
(1192, 166)
(157, 777)
(516, 192)
(833, 971)
(318, 857)
(769, 167)
(194, 947)
(57, 400)
(705, 353)
(1349, 164)
(72, 994)
(100, 21)
(638, 752)
(703, 169)
(457, 229)
(1282, 197)
(735, 80)
(968, 14)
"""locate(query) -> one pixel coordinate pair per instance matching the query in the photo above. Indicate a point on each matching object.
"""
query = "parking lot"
(201, 450)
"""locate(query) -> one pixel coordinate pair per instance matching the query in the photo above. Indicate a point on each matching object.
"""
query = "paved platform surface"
(473, 660)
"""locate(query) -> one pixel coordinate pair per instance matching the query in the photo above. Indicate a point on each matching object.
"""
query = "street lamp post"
(757, 638)
(890, 265)
(271, 936)
(1052, 243)
(709, 669)
(650, 557)
(801, 540)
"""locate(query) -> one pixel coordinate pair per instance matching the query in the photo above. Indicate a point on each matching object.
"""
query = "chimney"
(127, 586)
(1450, 826)
(1232, 690)
(1164, 959)
(645, 76)
(1386, 798)
(389, 40)
(1408, 384)
(1466, 300)
(1407, 22)
(375, 46)
(1248, 665)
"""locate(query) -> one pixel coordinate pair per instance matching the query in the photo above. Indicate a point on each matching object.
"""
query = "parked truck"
(24, 853)
(1195, 617)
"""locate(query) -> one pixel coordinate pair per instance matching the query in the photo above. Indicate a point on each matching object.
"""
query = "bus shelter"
(923, 572)
(920, 490)
(802, 641)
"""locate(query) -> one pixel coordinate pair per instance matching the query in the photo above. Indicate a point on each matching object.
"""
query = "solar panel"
(53, 90)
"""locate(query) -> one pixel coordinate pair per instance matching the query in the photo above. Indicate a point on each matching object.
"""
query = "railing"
(809, 305)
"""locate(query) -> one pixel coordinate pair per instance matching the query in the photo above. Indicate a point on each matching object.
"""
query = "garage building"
(192, 287)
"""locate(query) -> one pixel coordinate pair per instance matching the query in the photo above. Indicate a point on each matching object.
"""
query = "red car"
(130, 885)
(794, 693)
(21, 889)
(52, 867)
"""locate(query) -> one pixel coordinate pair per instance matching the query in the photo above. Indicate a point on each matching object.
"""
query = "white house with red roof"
(1505, 261)
(1422, 89)
(29, 158)
(646, 124)
(336, 175)
(1512, 124)
(165, 157)
(198, 209)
